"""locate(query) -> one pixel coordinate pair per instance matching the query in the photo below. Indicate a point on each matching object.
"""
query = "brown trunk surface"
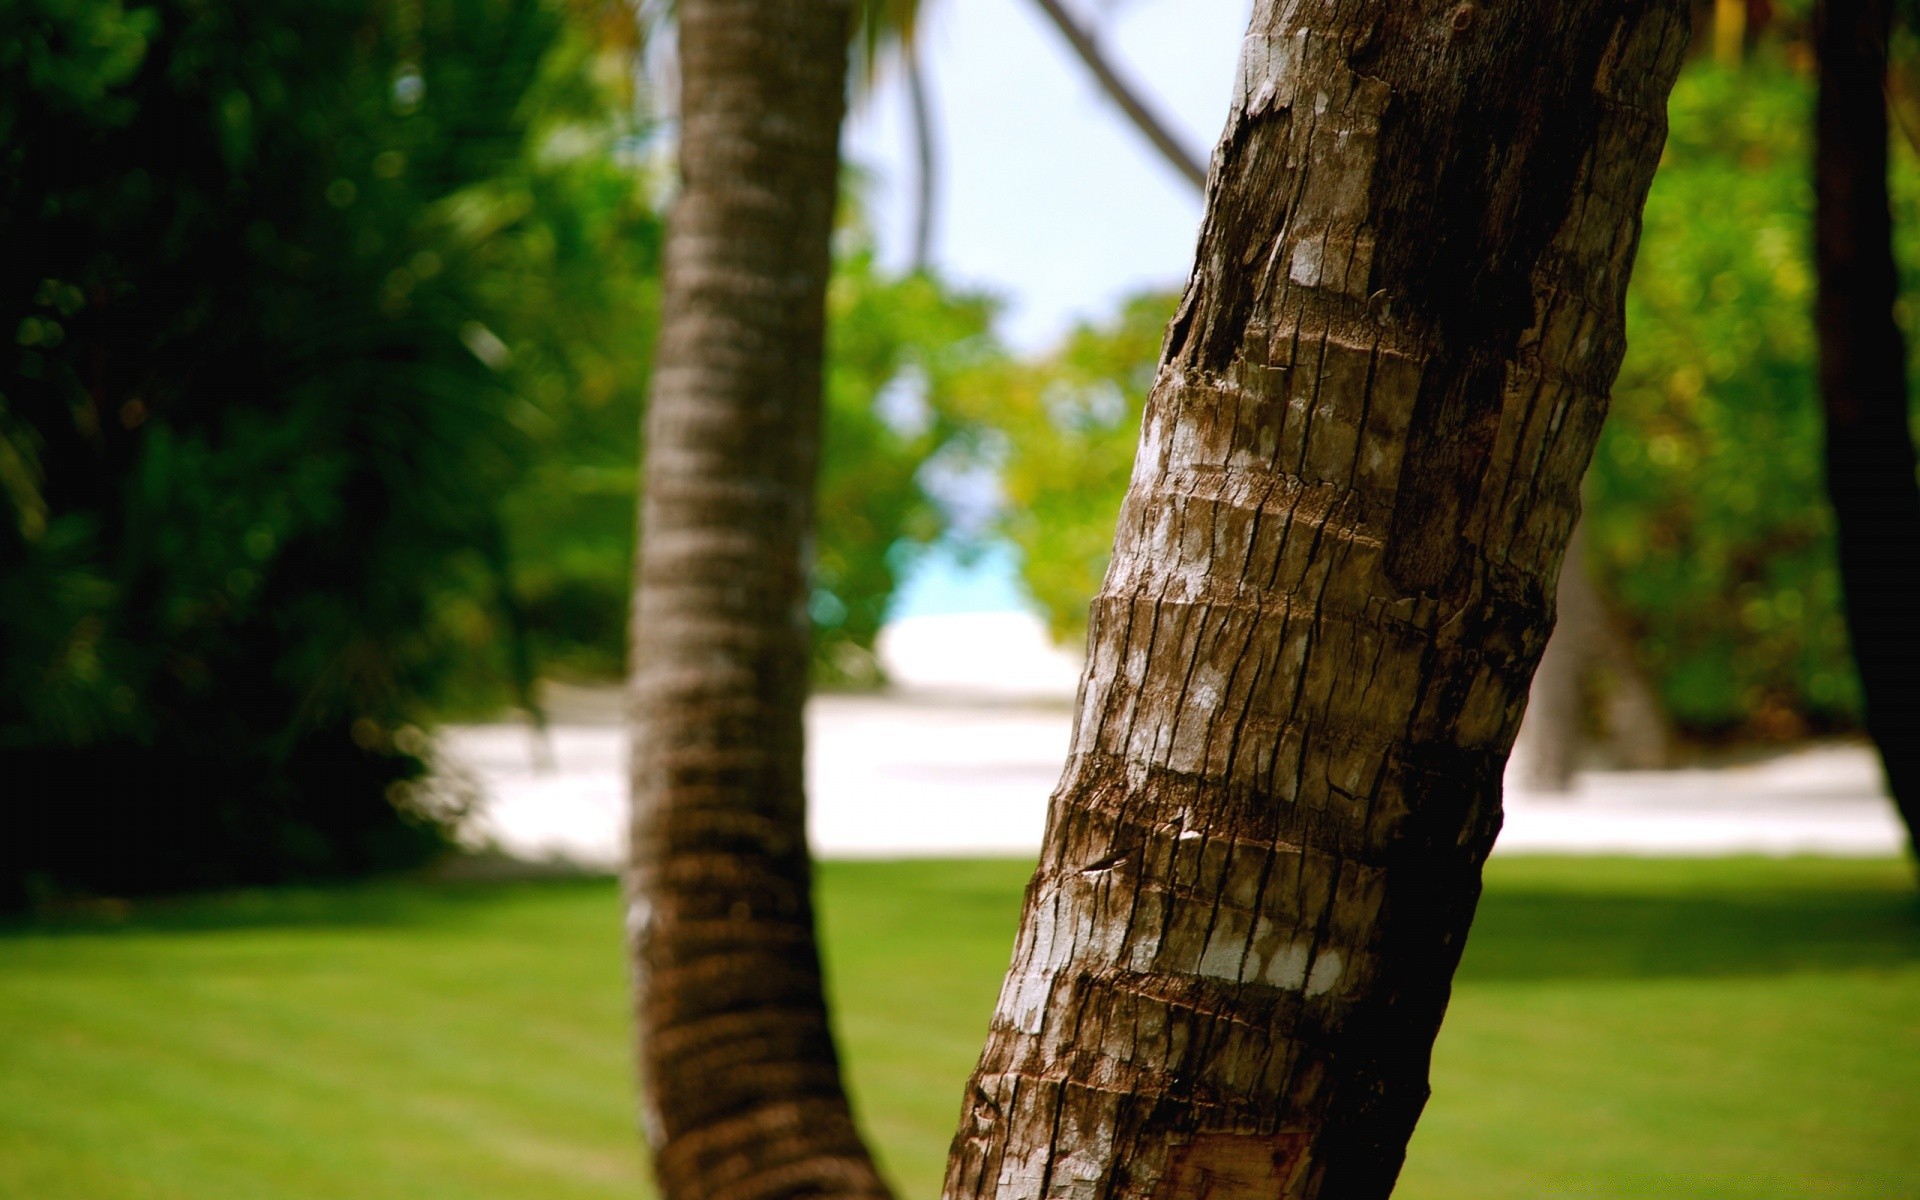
(1331, 582)
(1863, 382)
(743, 1091)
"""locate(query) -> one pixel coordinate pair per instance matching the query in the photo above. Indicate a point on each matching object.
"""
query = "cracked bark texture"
(1863, 384)
(742, 1089)
(1332, 580)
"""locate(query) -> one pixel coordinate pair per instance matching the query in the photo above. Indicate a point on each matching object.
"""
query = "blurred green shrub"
(1708, 525)
(1070, 422)
(329, 328)
(900, 347)
(330, 331)
(295, 293)
(578, 287)
(902, 352)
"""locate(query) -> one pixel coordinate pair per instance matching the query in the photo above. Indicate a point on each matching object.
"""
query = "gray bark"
(743, 1096)
(1551, 733)
(1638, 736)
(926, 159)
(1332, 580)
(1586, 645)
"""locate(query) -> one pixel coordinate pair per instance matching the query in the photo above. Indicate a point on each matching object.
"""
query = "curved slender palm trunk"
(1863, 382)
(926, 157)
(1143, 118)
(1332, 579)
(743, 1091)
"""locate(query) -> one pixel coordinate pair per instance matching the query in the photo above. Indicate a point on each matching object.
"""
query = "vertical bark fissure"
(1332, 579)
(1863, 383)
(743, 1093)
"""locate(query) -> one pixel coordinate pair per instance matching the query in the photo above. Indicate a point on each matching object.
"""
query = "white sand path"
(961, 764)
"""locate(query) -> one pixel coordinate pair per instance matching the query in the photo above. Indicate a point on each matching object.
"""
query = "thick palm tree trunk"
(743, 1090)
(1585, 638)
(1863, 381)
(1331, 582)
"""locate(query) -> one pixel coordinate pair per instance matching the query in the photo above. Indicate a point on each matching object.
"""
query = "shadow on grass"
(395, 902)
(1755, 923)
(1540, 919)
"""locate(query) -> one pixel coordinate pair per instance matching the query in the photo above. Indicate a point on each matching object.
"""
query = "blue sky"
(1049, 198)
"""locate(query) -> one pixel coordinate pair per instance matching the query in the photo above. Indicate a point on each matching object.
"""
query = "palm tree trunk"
(1586, 641)
(1557, 712)
(1863, 382)
(1123, 94)
(1331, 582)
(743, 1091)
(1547, 748)
(1638, 735)
(926, 179)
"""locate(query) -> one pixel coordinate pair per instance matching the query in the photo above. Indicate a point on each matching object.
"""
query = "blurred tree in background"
(297, 293)
(579, 272)
(1708, 524)
(331, 327)
(902, 354)
(1070, 423)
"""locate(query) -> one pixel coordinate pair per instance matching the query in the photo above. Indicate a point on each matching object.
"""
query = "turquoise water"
(942, 580)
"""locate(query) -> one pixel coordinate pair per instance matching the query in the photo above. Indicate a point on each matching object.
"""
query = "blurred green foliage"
(903, 354)
(296, 292)
(1708, 526)
(328, 335)
(1707, 522)
(901, 349)
(330, 332)
(1070, 423)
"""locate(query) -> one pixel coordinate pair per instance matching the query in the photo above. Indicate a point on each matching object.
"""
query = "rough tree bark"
(1331, 582)
(743, 1091)
(1586, 640)
(1863, 382)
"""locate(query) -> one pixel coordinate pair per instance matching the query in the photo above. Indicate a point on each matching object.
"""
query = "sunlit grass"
(1648, 1029)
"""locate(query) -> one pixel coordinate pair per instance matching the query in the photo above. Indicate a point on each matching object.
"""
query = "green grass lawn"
(1734, 1029)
